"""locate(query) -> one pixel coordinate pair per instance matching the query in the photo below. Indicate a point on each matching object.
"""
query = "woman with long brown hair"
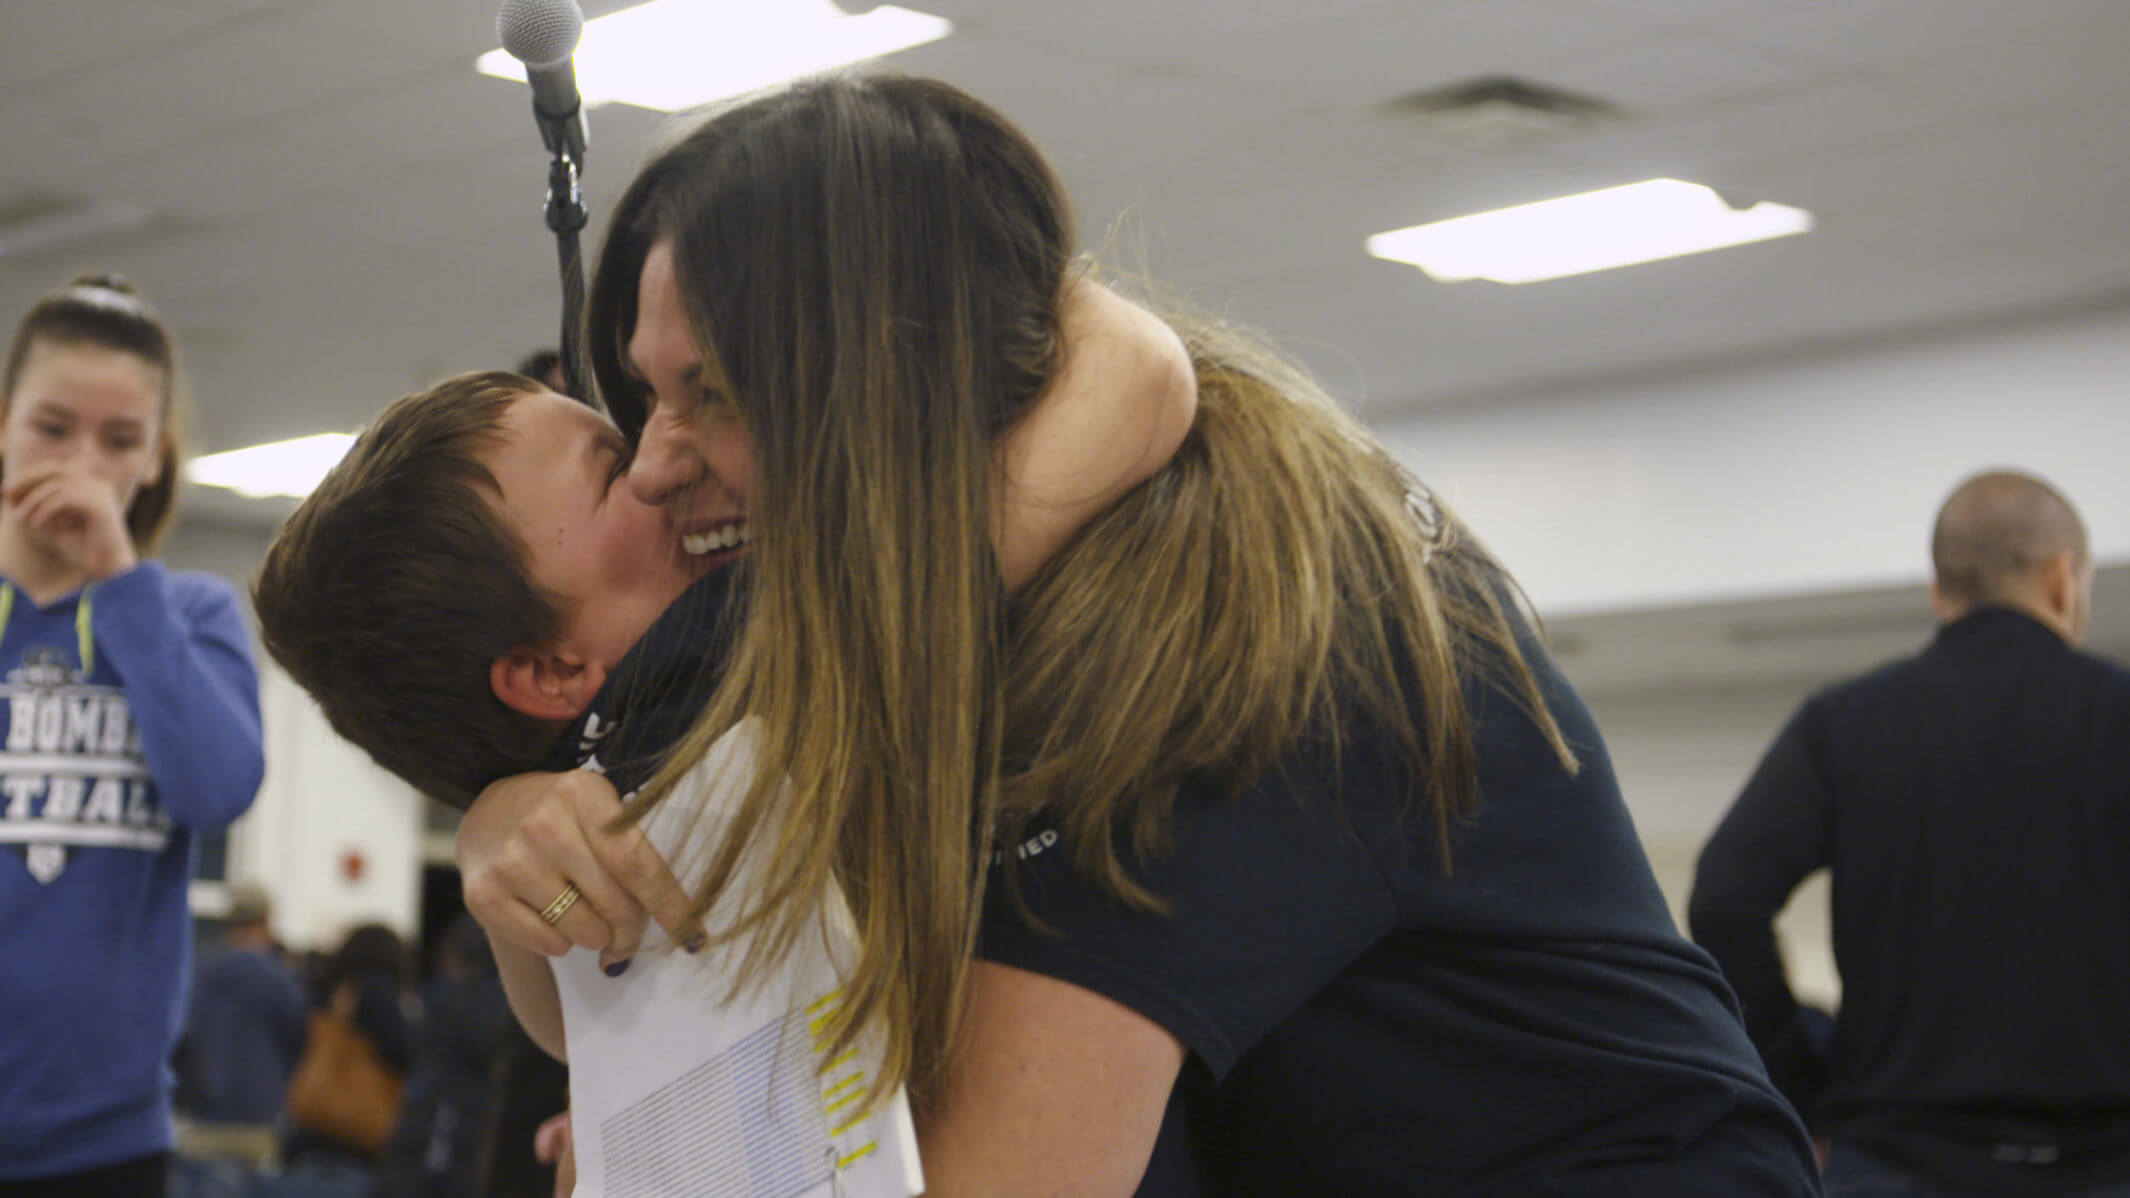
(1243, 839)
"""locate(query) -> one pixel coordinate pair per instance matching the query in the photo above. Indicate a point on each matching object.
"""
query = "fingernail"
(695, 943)
(617, 968)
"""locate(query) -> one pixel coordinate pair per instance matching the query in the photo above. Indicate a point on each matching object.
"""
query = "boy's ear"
(545, 684)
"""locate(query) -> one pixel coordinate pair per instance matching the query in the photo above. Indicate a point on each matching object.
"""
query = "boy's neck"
(37, 569)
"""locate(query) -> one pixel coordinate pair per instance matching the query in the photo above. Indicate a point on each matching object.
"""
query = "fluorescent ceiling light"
(1597, 230)
(290, 468)
(674, 54)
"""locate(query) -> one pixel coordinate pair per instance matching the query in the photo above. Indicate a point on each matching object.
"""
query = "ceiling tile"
(1870, 32)
(345, 210)
(1678, 70)
(50, 43)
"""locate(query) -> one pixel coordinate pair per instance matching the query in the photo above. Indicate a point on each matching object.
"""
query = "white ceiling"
(343, 210)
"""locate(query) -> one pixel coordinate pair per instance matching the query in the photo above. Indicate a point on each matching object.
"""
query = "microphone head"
(540, 33)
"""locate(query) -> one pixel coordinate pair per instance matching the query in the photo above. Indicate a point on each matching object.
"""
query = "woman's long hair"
(1283, 579)
(874, 267)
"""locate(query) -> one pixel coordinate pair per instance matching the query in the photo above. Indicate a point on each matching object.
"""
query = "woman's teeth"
(717, 539)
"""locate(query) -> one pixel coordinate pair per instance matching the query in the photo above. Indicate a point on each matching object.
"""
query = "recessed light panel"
(291, 468)
(675, 54)
(1596, 230)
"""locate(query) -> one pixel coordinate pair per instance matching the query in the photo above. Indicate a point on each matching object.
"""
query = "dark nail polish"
(617, 968)
(695, 943)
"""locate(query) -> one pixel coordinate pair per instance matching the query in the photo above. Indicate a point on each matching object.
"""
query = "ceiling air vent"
(1501, 112)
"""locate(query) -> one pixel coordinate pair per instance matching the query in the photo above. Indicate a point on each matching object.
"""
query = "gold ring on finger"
(563, 902)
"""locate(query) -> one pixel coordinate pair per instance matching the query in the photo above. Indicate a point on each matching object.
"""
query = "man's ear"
(2060, 585)
(545, 684)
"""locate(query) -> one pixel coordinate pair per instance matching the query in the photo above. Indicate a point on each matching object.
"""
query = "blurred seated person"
(243, 1035)
(436, 1147)
(366, 980)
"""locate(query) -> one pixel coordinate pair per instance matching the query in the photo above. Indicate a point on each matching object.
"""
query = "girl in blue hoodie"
(130, 710)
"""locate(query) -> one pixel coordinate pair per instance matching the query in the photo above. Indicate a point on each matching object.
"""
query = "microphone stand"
(566, 216)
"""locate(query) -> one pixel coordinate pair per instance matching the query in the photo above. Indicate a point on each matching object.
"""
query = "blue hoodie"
(107, 776)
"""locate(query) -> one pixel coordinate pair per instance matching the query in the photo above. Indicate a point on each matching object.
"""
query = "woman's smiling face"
(694, 459)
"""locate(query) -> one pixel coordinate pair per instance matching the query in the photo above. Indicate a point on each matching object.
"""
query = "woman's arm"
(1116, 414)
(1051, 1089)
(181, 646)
(515, 843)
(529, 984)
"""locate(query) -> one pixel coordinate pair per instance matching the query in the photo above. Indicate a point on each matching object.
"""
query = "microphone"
(543, 35)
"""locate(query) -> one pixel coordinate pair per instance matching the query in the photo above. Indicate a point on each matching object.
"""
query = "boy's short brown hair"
(396, 585)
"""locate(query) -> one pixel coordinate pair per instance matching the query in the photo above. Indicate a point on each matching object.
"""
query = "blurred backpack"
(342, 1090)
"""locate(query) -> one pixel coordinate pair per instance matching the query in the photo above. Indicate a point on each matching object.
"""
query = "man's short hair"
(396, 585)
(248, 905)
(1995, 529)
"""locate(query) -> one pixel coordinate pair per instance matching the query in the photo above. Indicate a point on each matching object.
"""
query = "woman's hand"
(75, 513)
(553, 1145)
(528, 839)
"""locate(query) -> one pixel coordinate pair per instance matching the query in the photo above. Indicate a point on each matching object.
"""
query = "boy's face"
(612, 560)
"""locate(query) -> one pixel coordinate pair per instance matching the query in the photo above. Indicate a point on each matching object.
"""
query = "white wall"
(323, 801)
(1682, 756)
(203, 542)
(325, 804)
(1786, 477)
(1782, 478)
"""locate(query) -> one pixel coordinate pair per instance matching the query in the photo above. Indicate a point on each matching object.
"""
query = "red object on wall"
(352, 865)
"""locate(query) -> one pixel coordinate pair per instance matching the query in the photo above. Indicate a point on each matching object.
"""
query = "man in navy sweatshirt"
(1973, 804)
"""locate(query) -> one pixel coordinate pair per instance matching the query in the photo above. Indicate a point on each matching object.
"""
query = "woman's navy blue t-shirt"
(1357, 1020)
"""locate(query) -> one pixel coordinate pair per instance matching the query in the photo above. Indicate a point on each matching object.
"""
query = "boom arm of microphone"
(543, 35)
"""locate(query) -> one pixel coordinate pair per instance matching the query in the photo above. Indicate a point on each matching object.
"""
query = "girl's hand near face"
(76, 514)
